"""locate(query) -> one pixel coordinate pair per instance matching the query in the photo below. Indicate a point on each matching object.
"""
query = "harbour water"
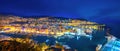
(83, 43)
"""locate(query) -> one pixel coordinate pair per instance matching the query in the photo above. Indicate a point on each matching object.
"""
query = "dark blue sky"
(101, 11)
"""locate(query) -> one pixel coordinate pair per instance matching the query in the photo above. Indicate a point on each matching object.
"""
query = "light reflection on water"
(83, 43)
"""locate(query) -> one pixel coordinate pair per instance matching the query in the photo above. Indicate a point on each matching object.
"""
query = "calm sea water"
(83, 44)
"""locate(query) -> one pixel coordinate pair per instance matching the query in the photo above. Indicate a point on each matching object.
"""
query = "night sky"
(101, 11)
